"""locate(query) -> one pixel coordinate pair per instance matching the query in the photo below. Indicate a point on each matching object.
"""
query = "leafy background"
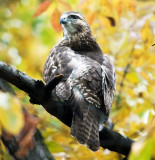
(125, 30)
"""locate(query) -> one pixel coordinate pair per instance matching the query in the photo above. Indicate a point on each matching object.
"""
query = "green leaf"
(143, 151)
(54, 147)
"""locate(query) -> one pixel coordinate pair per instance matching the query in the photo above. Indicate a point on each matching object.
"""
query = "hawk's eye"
(73, 17)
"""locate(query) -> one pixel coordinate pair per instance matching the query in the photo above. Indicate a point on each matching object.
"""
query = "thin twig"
(122, 84)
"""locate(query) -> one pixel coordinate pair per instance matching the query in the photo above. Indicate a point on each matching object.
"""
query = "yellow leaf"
(11, 118)
(0, 129)
(145, 31)
(132, 77)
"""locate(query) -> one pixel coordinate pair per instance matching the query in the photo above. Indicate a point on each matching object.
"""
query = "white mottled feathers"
(80, 72)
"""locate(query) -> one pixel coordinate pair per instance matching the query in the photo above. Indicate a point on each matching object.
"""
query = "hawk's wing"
(83, 73)
(59, 61)
(108, 82)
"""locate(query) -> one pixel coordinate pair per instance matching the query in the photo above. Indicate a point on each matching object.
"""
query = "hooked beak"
(63, 21)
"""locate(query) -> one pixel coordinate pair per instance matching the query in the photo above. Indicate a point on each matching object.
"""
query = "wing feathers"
(108, 83)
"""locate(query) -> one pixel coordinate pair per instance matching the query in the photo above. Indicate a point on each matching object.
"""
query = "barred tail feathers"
(86, 129)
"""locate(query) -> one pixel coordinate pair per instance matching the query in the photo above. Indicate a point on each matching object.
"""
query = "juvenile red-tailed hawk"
(89, 79)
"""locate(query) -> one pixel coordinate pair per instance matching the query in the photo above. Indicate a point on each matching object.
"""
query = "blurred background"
(125, 30)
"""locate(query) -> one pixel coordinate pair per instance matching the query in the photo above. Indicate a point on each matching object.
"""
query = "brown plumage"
(89, 79)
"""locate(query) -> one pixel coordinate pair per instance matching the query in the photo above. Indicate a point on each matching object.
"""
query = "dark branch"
(36, 89)
(115, 141)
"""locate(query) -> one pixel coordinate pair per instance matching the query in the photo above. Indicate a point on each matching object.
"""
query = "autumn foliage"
(125, 30)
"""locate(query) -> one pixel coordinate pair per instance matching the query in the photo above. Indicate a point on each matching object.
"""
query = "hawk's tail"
(86, 128)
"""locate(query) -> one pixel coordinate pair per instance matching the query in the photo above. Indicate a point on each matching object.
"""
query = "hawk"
(89, 78)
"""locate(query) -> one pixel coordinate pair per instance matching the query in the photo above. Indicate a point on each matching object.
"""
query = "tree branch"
(36, 89)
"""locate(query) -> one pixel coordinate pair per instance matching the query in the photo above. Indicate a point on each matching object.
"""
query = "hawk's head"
(74, 23)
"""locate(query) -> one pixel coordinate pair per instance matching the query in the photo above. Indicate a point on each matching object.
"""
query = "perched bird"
(89, 78)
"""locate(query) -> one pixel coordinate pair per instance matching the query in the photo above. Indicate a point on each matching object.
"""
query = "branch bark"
(37, 91)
